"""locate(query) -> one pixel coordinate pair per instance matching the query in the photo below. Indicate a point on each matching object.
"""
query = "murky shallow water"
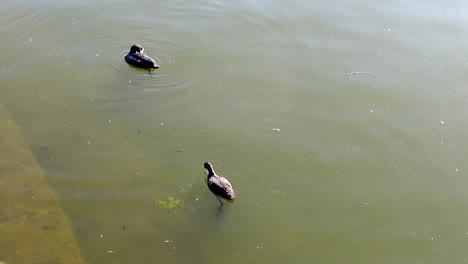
(365, 168)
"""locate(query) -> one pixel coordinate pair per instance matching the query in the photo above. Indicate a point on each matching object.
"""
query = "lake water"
(342, 125)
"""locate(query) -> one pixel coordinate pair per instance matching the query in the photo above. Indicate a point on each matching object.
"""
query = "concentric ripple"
(86, 43)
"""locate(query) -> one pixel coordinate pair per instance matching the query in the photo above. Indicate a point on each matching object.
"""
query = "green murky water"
(342, 126)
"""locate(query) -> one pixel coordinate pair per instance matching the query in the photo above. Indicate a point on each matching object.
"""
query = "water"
(368, 164)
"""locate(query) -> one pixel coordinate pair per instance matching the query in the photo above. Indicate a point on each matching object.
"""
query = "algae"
(171, 204)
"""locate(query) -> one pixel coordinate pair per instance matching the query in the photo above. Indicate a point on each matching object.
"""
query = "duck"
(218, 185)
(138, 58)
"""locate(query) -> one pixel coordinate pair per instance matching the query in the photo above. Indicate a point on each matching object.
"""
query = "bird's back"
(221, 186)
(141, 60)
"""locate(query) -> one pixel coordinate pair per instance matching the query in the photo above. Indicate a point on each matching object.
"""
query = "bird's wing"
(222, 187)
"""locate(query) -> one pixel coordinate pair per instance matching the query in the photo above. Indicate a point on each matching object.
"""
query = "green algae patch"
(172, 204)
(33, 226)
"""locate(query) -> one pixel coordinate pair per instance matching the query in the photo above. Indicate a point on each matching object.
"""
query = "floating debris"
(362, 72)
(276, 192)
(276, 129)
(110, 251)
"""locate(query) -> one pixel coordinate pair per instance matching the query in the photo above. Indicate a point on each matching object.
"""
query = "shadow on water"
(221, 212)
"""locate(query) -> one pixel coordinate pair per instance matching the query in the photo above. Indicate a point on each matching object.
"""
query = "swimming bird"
(218, 185)
(138, 58)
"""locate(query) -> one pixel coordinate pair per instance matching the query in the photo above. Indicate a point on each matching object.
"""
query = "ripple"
(76, 55)
(122, 81)
(86, 47)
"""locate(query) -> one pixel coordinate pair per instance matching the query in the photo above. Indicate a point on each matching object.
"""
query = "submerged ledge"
(33, 226)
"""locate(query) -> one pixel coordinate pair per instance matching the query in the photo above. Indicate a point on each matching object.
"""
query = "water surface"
(342, 126)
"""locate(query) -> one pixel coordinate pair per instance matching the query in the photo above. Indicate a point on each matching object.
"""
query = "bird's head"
(136, 48)
(208, 168)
